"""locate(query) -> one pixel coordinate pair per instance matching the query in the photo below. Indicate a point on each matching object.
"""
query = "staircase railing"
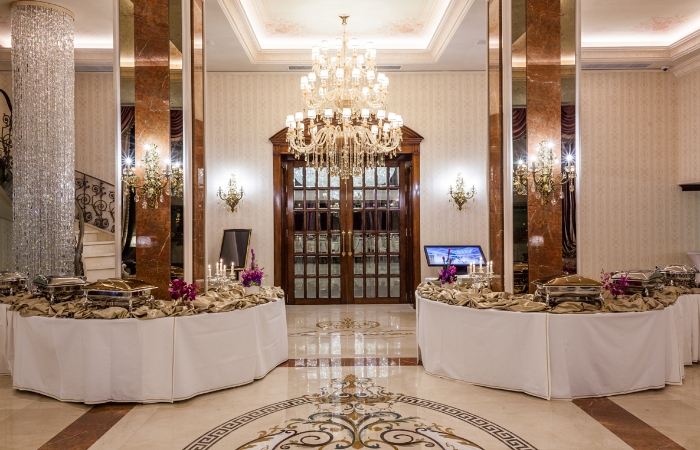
(96, 199)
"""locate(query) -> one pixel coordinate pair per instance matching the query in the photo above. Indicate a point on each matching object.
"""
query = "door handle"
(350, 243)
(342, 243)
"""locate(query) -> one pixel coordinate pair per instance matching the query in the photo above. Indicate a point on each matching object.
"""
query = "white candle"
(209, 267)
(232, 266)
(223, 274)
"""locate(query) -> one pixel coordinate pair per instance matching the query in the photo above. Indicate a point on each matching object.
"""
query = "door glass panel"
(381, 265)
(394, 242)
(323, 221)
(381, 239)
(369, 220)
(323, 199)
(310, 265)
(359, 269)
(335, 221)
(335, 243)
(357, 181)
(369, 177)
(357, 198)
(382, 287)
(310, 220)
(393, 176)
(382, 220)
(323, 243)
(335, 265)
(311, 287)
(335, 287)
(369, 243)
(357, 243)
(298, 243)
(298, 265)
(381, 176)
(394, 266)
(298, 199)
(335, 181)
(393, 198)
(357, 220)
(335, 198)
(370, 287)
(381, 198)
(358, 290)
(299, 221)
(298, 177)
(394, 225)
(370, 267)
(395, 287)
(323, 265)
(323, 288)
(369, 198)
(310, 243)
(310, 177)
(299, 288)
(310, 199)
(322, 177)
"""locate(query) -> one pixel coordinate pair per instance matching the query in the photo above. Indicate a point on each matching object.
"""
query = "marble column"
(543, 88)
(152, 126)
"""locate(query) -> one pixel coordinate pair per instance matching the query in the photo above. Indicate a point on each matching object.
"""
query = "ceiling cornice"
(234, 12)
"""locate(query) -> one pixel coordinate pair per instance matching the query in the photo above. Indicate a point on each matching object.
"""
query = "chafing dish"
(679, 275)
(568, 288)
(59, 288)
(118, 292)
(639, 281)
(12, 282)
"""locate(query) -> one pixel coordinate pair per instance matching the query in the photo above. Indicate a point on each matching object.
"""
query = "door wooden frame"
(410, 151)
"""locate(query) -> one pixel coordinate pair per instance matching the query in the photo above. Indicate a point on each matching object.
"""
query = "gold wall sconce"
(176, 181)
(155, 179)
(520, 178)
(543, 181)
(232, 195)
(459, 195)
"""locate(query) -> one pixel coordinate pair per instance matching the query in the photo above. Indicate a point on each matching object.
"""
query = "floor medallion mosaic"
(354, 413)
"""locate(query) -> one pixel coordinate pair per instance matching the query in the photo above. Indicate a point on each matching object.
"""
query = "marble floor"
(353, 381)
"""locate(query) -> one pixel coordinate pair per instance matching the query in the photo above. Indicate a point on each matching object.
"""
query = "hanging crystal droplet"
(143, 205)
(136, 198)
(532, 187)
(161, 198)
(561, 194)
(554, 201)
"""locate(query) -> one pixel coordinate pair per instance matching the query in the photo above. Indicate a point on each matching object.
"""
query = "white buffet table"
(559, 356)
(132, 360)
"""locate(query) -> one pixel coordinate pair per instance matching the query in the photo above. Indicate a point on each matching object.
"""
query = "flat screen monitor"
(462, 255)
(235, 247)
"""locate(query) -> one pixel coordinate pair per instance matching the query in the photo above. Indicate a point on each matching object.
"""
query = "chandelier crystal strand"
(344, 125)
(43, 80)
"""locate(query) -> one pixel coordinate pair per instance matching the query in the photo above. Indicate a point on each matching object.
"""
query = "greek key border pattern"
(509, 438)
(211, 437)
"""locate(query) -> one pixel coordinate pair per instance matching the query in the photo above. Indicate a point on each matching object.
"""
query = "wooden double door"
(347, 241)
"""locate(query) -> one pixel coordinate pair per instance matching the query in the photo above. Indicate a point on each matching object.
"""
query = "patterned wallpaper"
(632, 212)
(244, 110)
(689, 127)
(6, 253)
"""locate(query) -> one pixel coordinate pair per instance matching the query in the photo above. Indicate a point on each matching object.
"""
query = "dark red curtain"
(176, 123)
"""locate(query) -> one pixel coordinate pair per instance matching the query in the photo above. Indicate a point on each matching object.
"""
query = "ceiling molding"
(449, 23)
(687, 67)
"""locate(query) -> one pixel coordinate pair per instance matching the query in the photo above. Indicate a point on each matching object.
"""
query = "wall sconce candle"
(232, 196)
(154, 182)
(459, 195)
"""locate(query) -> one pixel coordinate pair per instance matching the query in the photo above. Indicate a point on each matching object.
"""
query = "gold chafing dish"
(13, 282)
(679, 275)
(568, 288)
(59, 288)
(118, 292)
(640, 281)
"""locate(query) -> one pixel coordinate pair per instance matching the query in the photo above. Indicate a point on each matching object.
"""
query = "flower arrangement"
(253, 275)
(180, 291)
(448, 273)
(613, 286)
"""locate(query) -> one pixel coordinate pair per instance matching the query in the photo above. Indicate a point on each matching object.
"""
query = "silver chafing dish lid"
(13, 276)
(639, 275)
(679, 269)
(118, 285)
(49, 281)
(567, 280)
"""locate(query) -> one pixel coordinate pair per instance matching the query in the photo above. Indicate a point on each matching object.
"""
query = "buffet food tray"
(679, 275)
(118, 292)
(640, 281)
(13, 282)
(568, 288)
(59, 288)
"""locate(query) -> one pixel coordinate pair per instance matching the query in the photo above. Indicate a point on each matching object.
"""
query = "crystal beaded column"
(43, 79)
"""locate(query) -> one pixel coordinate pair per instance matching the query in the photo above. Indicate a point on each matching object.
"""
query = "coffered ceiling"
(270, 35)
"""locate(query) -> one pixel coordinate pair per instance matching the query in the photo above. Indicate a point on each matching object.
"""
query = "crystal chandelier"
(543, 181)
(345, 101)
(155, 179)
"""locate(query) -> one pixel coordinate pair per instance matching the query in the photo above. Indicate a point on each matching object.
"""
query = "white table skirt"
(158, 360)
(560, 356)
(5, 326)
